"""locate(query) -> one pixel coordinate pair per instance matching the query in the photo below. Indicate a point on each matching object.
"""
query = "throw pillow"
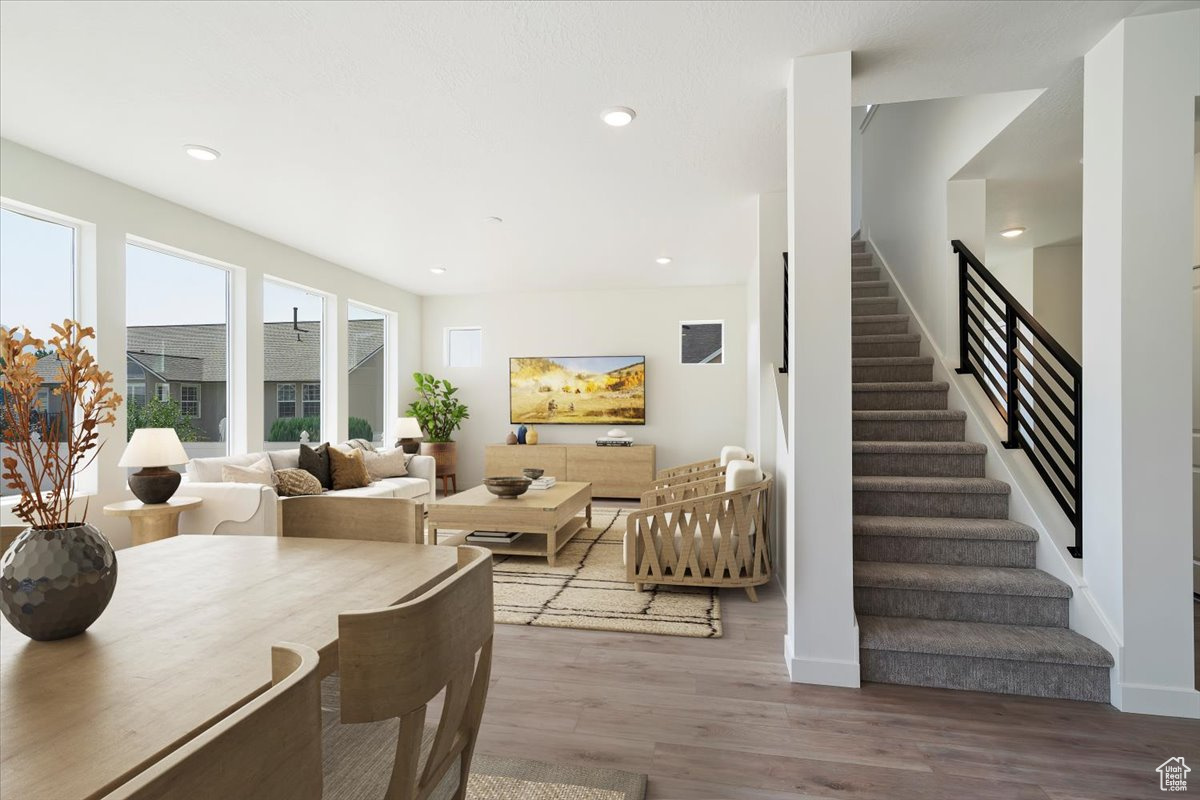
(347, 469)
(296, 483)
(392, 464)
(360, 444)
(315, 461)
(259, 472)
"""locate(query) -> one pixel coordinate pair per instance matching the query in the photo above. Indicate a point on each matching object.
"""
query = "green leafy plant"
(288, 429)
(156, 413)
(438, 411)
(360, 429)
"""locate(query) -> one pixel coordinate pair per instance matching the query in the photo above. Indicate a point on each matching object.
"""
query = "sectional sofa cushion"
(208, 470)
(392, 464)
(259, 472)
(315, 461)
(296, 483)
(348, 470)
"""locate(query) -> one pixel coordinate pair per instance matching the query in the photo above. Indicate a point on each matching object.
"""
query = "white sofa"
(249, 508)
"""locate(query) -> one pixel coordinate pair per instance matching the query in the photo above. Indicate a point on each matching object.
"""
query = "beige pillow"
(392, 464)
(347, 469)
(259, 472)
(296, 483)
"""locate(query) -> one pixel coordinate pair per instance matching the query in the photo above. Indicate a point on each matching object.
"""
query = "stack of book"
(492, 537)
(614, 441)
(544, 482)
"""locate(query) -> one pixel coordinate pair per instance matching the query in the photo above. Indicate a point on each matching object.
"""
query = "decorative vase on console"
(511, 438)
(531, 435)
(521, 433)
(56, 577)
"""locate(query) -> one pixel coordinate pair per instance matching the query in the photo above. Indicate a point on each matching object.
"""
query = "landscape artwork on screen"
(602, 390)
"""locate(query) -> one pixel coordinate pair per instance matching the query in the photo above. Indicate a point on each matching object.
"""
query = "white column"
(1140, 84)
(822, 638)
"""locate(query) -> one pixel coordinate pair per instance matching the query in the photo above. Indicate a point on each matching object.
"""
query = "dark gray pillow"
(315, 461)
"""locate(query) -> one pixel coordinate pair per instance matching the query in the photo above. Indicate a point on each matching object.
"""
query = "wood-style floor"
(717, 719)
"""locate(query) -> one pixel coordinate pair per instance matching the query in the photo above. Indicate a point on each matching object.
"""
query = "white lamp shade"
(408, 428)
(153, 447)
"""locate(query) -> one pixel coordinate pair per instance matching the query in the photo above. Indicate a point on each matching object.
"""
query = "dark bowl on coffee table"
(533, 473)
(507, 487)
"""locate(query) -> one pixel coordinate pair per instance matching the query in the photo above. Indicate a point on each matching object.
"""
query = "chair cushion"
(740, 474)
(379, 489)
(392, 464)
(259, 472)
(347, 470)
(315, 460)
(296, 483)
(732, 452)
(407, 488)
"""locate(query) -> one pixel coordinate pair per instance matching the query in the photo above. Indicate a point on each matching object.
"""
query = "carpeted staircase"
(945, 585)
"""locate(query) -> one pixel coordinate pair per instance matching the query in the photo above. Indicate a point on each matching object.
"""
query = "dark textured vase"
(55, 583)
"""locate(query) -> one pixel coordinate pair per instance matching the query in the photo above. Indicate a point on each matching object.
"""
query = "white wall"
(857, 115)
(112, 211)
(1014, 270)
(1058, 294)
(692, 410)
(910, 151)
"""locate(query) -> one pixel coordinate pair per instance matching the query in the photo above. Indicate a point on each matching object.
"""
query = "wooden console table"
(612, 471)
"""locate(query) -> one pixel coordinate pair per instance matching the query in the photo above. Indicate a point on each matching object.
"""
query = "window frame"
(390, 347)
(708, 362)
(279, 401)
(304, 387)
(446, 336)
(183, 401)
(162, 392)
(129, 391)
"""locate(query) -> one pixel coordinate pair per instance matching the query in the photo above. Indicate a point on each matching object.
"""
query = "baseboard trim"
(1162, 701)
(822, 671)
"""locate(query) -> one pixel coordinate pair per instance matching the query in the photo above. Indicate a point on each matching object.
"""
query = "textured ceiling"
(379, 135)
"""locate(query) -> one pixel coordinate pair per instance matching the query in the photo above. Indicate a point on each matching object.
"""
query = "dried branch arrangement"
(48, 451)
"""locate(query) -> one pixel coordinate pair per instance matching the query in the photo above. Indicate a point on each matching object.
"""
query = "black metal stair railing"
(1035, 384)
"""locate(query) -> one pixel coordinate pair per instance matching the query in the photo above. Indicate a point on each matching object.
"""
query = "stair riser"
(858, 246)
(919, 465)
(864, 273)
(871, 309)
(957, 552)
(861, 259)
(1001, 609)
(899, 401)
(891, 373)
(909, 430)
(959, 505)
(869, 327)
(868, 291)
(1065, 681)
(884, 349)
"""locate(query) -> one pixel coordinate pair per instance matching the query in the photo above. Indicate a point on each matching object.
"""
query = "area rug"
(358, 764)
(587, 590)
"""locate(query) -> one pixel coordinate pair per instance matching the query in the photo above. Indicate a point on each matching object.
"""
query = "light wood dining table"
(185, 641)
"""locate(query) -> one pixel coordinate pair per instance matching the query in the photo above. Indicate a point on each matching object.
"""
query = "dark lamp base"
(154, 485)
(410, 446)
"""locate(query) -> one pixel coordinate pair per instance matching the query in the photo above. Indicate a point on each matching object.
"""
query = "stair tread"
(941, 485)
(959, 579)
(944, 528)
(866, 301)
(900, 386)
(869, 284)
(876, 317)
(888, 361)
(884, 338)
(1033, 643)
(936, 414)
(923, 448)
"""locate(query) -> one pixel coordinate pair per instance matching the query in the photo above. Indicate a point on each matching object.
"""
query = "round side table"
(152, 522)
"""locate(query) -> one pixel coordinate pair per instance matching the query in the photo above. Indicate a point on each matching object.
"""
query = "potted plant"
(57, 577)
(440, 414)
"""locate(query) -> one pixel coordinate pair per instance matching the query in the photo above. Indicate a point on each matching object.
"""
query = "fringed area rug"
(588, 590)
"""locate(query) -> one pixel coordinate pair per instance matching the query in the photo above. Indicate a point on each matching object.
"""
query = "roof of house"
(197, 353)
(701, 342)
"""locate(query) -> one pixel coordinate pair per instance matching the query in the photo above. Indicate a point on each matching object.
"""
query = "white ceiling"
(379, 135)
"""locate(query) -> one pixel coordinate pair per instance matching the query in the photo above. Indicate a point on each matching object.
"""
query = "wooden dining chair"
(395, 660)
(269, 749)
(376, 519)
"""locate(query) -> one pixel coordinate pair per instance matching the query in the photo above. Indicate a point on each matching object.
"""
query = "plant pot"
(446, 455)
(55, 583)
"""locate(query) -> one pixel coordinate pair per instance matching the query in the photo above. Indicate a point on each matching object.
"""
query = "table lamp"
(153, 449)
(408, 431)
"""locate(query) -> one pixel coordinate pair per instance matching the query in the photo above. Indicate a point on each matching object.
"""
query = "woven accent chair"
(730, 452)
(394, 661)
(712, 532)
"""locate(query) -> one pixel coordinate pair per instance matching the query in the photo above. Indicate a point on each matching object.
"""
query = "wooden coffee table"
(547, 518)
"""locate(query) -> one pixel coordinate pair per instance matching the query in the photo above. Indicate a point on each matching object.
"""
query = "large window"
(368, 373)
(293, 347)
(177, 344)
(37, 287)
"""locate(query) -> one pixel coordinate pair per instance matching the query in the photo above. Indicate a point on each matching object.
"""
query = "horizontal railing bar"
(1071, 365)
(996, 325)
(987, 390)
(994, 358)
(985, 295)
(1070, 437)
(1034, 420)
(1047, 389)
(1066, 387)
(1050, 484)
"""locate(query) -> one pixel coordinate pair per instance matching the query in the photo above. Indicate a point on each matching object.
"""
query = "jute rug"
(587, 590)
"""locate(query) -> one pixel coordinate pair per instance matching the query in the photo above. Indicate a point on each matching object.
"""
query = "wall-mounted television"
(577, 390)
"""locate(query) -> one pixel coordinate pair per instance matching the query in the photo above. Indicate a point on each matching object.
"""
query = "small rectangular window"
(163, 391)
(135, 393)
(464, 347)
(189, 400)
(285, 399)
(311, 399)
(702, 341)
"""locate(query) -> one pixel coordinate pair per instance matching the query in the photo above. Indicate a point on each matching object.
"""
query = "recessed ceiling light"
(619, 116)
(438, 270)
(493, 220)
(1012, 233)
(663, 260)
(201, 153)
